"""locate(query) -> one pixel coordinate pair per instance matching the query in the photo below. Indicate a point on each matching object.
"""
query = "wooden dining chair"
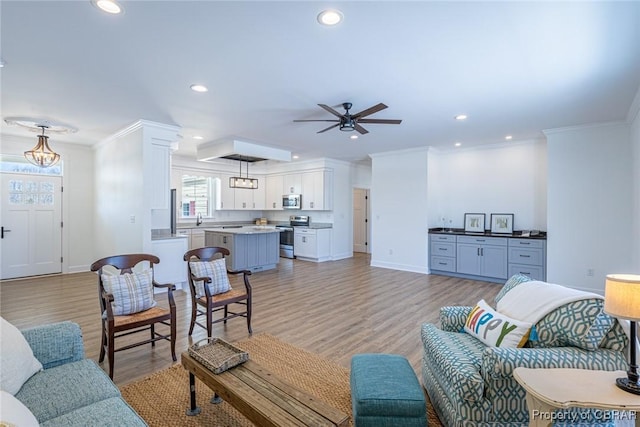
(128, 305)
(211, 290)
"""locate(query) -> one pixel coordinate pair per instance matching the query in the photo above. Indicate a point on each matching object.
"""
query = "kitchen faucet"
(199, 219)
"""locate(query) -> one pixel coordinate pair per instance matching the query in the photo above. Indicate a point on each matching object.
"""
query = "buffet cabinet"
(486, 257)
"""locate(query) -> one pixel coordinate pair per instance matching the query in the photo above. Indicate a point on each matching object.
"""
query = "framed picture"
(474, 222)
(502, 223)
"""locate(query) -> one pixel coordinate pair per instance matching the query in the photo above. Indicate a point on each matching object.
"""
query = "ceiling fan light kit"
(348, 122)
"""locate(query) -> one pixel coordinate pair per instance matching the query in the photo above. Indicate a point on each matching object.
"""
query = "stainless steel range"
(286, 236)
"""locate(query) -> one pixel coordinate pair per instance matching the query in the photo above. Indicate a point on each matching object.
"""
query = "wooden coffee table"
(261, 396)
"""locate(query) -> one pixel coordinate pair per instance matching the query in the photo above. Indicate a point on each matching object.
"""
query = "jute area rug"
(162, 398)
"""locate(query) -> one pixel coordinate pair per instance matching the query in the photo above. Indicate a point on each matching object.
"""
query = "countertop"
(211, 226)
(460, 232)
(162, 234)
(246, 229)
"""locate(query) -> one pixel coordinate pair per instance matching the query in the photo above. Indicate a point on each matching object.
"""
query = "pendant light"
(240, 182)
(42, 155)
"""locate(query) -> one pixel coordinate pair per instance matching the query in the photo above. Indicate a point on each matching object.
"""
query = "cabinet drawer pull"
(442, 249)
(442, 263)
(480, 240)
(525, 243)
(526, 273)
(525, 256)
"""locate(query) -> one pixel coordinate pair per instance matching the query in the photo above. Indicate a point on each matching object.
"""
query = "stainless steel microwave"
(292, 201)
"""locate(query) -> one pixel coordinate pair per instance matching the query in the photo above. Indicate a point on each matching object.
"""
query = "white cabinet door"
(227, 194)
(292, 184)
(304, 244)
(274, 185)
(259, 194)
(316, 190)
(243, 198)
(197, 239)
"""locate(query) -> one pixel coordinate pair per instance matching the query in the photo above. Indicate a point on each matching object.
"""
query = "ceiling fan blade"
(369, 111)
(330, 127)
(360, 129)
(385, 121)
(314, 120)
(331, 110)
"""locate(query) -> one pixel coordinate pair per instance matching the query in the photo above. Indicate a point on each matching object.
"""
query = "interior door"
(31, 234)
(360, 220)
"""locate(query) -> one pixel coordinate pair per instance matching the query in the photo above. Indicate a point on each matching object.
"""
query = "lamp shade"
(622, 296)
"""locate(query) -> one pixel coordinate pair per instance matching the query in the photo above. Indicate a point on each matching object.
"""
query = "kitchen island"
(251, 247)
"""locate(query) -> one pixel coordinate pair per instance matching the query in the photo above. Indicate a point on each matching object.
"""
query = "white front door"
(31, 233)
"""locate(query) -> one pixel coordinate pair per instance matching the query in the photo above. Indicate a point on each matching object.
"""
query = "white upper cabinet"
(161, 176)
(227, 194)
(273, 192)
(316, 190)
(292, 184)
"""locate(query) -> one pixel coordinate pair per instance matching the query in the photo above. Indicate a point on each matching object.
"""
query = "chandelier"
(42, 155)
(243, 182)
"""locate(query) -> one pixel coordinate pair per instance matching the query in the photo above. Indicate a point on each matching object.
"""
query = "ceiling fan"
(349, 122)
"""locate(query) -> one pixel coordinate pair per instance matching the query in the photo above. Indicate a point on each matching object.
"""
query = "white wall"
(399, 210)
(342, 233)
(635, 148)
(77, 199)
(590, 204)
(504, 178)
(119, 190)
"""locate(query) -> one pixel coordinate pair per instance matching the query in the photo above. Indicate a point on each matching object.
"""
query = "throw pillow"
(495, 329)
(14, 413)
(17, 362)
(216, 270)
(581, 324)
(132, 292)
(513, 281)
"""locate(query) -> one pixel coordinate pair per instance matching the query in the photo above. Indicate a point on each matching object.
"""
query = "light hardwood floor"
(334, 309)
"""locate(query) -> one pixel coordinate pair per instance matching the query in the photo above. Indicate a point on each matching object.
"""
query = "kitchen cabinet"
(486, 257)
(248, 251)
(227, 194)
(527, 256)
(292, 184)
(273, 192)
(482, 256)
(316, 190)
(197, 239)
(186, 232)
(442, 252)
(312, 244)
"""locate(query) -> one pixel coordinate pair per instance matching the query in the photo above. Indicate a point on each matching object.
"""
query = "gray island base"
(254, 248)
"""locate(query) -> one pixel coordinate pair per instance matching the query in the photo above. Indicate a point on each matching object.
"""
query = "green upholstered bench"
(386, 392)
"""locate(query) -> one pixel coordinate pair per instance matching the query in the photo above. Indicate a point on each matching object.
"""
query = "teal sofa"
(71, 390)
(471, 384)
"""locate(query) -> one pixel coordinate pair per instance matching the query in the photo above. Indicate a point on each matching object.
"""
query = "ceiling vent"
(234, 149)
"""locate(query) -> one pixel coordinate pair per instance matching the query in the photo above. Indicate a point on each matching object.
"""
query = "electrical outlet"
(132, 219)
(590, 272)
(390, 251)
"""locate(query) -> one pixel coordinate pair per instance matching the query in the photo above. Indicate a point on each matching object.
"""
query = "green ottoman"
(386, 392)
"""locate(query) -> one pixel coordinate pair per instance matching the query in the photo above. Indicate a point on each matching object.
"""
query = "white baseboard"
(401, 267)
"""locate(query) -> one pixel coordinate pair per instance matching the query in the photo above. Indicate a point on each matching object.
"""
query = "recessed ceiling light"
(508, 137)
(199, 88)
(460, 117)
(198, 137)
(330, 17)
(2, 63)
(295, 156)
(458, 144)
(109, 6)
(354, 137)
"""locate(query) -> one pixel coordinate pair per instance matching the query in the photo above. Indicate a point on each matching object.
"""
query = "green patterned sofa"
(71, 390)
(471, 384)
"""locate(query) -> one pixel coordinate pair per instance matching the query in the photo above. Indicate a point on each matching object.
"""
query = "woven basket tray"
(217, 355)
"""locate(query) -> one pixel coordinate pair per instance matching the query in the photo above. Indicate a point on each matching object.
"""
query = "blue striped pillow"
(132, 292)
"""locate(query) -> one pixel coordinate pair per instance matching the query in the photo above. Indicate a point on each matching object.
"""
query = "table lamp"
(622, 300)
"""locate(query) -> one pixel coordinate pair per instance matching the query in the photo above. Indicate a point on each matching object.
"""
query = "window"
(196, 196)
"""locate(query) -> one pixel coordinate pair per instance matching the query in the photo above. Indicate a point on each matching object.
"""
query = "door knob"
(2, 231)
